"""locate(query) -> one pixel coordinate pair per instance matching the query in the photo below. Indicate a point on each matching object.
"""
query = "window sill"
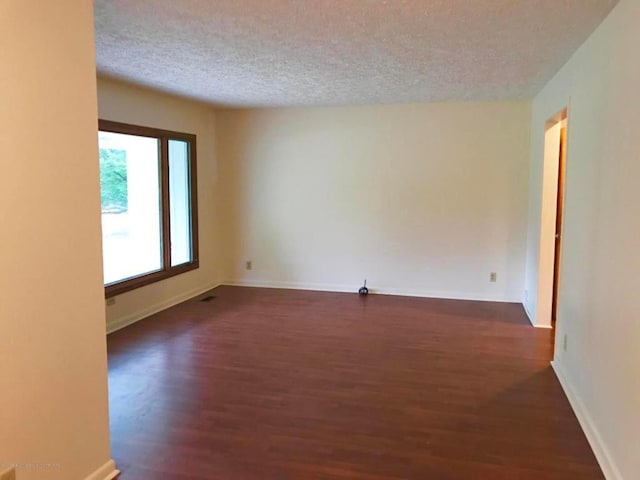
(144, 280)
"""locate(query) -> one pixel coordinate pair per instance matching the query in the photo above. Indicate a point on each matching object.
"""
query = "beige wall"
(419, 199)
(130, 104)
(53, 378)
(598, 309)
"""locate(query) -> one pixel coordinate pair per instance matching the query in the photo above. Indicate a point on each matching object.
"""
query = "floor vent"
(208, 298)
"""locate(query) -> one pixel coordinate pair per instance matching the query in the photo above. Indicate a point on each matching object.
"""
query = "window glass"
(131, 205)
(179, 202)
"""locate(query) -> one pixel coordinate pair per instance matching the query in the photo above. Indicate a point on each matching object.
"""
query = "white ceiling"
(341, 52)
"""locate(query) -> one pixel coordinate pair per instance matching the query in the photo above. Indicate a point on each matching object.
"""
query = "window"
(149, 205)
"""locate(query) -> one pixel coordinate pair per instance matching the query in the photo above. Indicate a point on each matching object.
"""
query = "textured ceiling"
(341, 52)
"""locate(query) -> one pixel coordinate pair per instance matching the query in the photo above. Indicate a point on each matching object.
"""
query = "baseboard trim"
(127, 320)
(8, 473)
(376, 291)
(530, 317)
(107, 471)
(600, 450)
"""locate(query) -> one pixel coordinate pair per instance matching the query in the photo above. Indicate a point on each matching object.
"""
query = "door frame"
(549, 274)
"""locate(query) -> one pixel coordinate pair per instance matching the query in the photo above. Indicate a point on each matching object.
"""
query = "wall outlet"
(110, 301)
(248, 265)
(8, 474)
(564, 342)
(493, 276)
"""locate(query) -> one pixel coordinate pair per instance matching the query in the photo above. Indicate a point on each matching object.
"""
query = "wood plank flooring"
(282, 384)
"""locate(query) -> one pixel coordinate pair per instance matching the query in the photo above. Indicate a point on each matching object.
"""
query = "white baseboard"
(290, 285)
(377, 291)
(8, 473)
(598, 446)
(530, 317)
(107, 471)
(127, 320)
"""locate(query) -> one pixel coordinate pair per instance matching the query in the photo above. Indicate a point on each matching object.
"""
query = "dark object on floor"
(364, 290)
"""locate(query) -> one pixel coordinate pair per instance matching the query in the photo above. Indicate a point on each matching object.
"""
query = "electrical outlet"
(248, 265)
(8, 474)
(493, 276)
(564, 342)
(110, 301)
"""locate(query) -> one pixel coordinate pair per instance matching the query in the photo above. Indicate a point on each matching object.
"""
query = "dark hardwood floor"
(283, 384)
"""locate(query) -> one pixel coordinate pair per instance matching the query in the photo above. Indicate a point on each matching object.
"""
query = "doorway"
(552, 216)
(562, 158)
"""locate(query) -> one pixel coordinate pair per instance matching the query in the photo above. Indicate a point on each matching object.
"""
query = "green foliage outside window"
(113, 180)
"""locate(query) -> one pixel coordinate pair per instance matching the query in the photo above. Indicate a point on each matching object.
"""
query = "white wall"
(419, 199)
(126, 103)
(598, 309)
(53, 365)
